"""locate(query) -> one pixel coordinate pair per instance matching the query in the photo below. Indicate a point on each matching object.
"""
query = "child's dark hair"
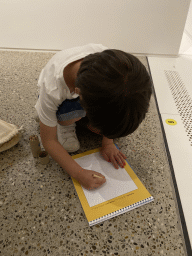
(116, 89)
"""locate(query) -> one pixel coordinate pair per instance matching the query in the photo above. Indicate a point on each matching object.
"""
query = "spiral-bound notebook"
(122, 191)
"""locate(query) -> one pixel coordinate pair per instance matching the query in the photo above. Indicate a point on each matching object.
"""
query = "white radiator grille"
(172, 79)
(182, 100)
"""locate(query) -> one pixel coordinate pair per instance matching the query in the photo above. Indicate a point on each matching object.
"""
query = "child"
(109, 88)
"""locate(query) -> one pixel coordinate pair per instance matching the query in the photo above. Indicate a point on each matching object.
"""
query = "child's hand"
(88, 181)
(111, 154)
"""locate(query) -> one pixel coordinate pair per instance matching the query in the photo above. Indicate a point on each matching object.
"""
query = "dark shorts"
(70, 109)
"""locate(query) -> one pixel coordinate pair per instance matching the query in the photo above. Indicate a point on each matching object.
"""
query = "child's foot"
(68, 138)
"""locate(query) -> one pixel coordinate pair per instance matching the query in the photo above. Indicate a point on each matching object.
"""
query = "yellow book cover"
(122, 191)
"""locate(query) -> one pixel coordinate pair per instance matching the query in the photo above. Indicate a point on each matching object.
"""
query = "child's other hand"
(111, 154)
(88, 181)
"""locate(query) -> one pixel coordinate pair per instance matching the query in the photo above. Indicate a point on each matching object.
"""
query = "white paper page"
(118, 181)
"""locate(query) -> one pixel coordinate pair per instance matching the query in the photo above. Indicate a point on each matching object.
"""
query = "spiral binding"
(121, 211)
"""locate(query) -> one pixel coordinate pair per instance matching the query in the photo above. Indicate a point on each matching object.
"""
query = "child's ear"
(77, 90)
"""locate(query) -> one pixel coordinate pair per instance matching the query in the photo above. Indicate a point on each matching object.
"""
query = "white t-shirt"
(52, 87)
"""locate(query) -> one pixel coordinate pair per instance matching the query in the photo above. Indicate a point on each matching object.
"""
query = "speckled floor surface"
(40, 213)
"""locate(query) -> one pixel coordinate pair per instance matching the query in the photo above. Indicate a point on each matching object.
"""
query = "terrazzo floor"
(40, 212)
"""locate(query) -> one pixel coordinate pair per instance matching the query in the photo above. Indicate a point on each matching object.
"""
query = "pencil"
(97, 176)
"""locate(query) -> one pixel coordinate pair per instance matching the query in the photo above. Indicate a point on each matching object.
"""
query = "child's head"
(116, 89)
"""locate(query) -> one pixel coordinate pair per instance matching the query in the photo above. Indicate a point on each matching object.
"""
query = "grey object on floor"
(43, 157)
(40, 211)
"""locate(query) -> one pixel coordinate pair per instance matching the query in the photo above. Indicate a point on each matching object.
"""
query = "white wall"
(186, 43)
(136, 26)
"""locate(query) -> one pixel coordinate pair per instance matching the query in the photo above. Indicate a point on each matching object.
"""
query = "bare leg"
(69, 122)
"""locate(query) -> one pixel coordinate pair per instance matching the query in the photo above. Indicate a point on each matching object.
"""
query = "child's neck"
(70, 74)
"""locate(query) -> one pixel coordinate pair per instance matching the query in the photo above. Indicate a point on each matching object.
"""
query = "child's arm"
(61, 156)
(106, 141)
(56, 151)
